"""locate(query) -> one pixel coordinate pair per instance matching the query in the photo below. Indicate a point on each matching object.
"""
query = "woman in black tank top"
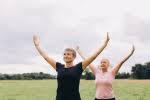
(68, 78)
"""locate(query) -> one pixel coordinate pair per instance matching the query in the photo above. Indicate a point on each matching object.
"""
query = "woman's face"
(104, 64)
(68, 56)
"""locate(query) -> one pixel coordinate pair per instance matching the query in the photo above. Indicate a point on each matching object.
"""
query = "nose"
(65, 56)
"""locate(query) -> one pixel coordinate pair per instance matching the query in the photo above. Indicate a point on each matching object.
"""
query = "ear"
(74, 58)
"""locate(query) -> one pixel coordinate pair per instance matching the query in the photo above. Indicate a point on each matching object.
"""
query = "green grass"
(46, 90)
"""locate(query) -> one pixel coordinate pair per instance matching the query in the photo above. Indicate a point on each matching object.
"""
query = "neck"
(70, 64)
(104, 70)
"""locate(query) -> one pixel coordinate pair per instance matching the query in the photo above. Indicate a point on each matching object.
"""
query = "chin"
(68, 61)
(103, 68)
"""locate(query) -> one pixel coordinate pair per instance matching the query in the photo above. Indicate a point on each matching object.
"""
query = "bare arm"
(88, 60)
(36, 41)
(92, 67)
(116, 69)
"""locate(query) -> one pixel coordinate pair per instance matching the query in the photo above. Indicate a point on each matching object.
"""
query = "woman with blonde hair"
(104, 77)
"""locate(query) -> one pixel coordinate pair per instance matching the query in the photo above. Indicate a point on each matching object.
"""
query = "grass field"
(46, 90)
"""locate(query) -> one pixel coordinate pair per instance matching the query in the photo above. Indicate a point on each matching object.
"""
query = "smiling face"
(104, 64)
(69, 55)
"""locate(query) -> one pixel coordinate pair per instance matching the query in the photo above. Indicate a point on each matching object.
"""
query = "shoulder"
(97, 71)
(79, 66)
(59, 65)
(111, 72)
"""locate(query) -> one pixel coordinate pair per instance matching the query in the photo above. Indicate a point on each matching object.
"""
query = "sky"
(68, 23)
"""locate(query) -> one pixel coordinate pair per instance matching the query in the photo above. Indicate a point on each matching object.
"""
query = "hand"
(77, 48)
(36, 40)
(107, 37)
(133, 49)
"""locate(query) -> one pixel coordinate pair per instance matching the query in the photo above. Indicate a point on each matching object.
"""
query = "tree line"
(27, 76)
(139, 71)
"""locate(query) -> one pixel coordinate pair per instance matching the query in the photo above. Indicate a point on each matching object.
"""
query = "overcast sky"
(67, 23)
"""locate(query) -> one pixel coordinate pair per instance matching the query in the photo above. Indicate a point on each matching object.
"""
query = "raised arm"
(88, 60)
(92, 67)
(116, 68)
(36, 41)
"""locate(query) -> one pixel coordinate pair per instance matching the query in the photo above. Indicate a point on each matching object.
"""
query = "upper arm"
(86, 62)
(93, 69)
(51, 62)
(116, 69)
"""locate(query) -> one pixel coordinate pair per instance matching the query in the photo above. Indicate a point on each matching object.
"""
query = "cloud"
(68, 23)
(138, 27)
(24, 68)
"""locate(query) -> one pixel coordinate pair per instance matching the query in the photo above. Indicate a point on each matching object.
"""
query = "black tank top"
(68, 80)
